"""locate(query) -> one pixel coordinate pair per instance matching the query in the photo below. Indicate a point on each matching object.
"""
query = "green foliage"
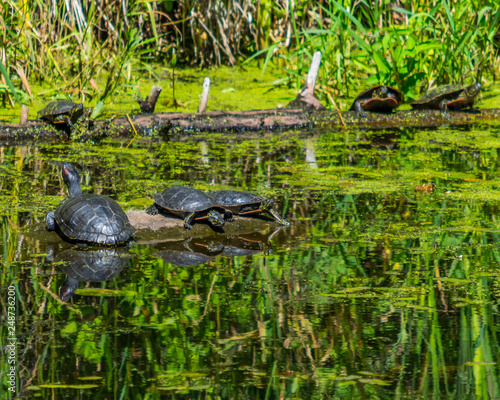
(411, 49)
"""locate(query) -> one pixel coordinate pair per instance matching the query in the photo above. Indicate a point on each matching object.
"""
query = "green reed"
(412, 49)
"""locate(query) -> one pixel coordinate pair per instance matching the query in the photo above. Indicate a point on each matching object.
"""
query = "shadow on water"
(375, 290)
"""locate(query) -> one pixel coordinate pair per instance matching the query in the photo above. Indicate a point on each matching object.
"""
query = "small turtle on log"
(380, 98)
(190, 204)
(62, 112)
(449, 97)
(243, 203)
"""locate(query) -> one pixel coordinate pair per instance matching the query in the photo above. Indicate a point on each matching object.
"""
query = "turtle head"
(266, 204)
(214, 247)
(68, 288)
(472, 90)
(216, 218)
(380, 92)
(76, 112)
(71, 179)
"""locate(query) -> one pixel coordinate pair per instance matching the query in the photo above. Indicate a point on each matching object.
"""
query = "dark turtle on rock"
(380, 98)
(62, 112)
(190, 204)
(88, 218)
(244, 203)
(449, 97)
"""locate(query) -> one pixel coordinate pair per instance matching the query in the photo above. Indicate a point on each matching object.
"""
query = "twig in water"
(135, 132)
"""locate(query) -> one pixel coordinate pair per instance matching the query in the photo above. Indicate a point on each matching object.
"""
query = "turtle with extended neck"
(88, 218)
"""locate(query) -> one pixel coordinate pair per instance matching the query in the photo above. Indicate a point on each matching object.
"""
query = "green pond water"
(376, 290)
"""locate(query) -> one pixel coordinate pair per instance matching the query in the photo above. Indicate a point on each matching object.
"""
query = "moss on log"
(254, 121)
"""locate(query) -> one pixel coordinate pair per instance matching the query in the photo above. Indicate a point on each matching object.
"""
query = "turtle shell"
(458, 96)
(234, 200)
(181, 200)
(93, 218)
(373, 101)
(53, 111)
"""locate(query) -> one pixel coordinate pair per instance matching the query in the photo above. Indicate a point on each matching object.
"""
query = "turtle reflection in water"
(190, 252)
(89, 266)
(249, 244)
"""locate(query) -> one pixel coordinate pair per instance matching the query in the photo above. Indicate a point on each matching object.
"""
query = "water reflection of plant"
(378, 288)
(340, 314)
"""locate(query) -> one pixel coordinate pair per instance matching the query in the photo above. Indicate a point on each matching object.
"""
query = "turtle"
(248, 245)
(189, 203)
(88, 218)
(98, 265)
(448, 97)
(61, 112)
(377, 98)
(187, 254)
(243, 203)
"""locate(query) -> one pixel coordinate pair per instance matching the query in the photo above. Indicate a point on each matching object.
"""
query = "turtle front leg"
(68, 121)
(51, 221)
(153, 209)
(277, 218)
(189, 220)
(358, 106)
(444, 110)
(228, 216)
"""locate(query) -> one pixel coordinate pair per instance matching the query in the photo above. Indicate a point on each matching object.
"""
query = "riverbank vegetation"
(71, 46)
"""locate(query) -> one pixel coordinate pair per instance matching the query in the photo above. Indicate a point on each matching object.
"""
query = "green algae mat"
(386, 284)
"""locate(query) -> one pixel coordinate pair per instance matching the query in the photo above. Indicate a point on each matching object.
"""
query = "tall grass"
(363, 42)
(411, 48)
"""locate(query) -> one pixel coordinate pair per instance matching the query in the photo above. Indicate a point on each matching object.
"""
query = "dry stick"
(306, 96)
(154, 94)
(204, 96)
(312, 75)
(24, 79)
(24, 114)
(225, 42)
(148, 105)
(337, 108)
(207, 302)
(133, 127)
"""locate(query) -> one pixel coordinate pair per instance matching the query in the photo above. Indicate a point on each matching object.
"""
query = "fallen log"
(254, 121)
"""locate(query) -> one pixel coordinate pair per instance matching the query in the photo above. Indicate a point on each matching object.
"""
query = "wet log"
(256, 121)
